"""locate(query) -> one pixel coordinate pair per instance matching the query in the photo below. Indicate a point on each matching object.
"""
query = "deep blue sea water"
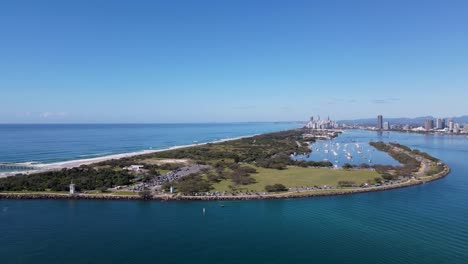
(419, 224)
(51, 143)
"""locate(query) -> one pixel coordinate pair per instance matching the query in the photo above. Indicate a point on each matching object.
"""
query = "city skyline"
(156, 62)
(429, 124)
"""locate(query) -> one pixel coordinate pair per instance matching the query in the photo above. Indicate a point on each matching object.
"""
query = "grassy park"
(297, 176)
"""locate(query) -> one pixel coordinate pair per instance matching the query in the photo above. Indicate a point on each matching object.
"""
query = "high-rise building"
(456, 128)
(321, 124)
(451, 125)
(379, 122)
(440, 124)
(386, 126)
(428, 124)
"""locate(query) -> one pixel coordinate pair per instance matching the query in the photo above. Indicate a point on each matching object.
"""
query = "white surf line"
(41, 167)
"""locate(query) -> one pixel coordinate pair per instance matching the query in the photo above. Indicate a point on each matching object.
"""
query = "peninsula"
(257, 167)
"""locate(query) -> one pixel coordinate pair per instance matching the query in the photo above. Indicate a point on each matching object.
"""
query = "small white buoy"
(203, 211)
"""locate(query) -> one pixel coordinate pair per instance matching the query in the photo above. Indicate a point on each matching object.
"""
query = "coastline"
(79, 162)
(207, 196)
(285, 195)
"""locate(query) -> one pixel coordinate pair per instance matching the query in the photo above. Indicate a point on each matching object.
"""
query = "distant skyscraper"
(379, 122)
(456, 128)
(428, 124)
(386, 126)
(451, 125)
(440, 123)
(321, 124)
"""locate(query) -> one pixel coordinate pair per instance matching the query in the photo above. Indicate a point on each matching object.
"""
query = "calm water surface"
(350, 147)
(420, 224)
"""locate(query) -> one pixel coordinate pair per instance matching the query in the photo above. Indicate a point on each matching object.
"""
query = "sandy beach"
(40, 167)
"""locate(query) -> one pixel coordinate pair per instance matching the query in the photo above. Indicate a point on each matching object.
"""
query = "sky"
(228, 61)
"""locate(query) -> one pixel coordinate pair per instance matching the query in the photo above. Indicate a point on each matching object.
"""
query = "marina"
(347, 148)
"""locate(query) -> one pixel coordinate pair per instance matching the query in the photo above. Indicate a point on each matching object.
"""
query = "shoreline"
(291, 193)
(79, 162)
(285, 195)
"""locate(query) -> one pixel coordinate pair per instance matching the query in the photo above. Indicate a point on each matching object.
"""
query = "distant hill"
(401, 120)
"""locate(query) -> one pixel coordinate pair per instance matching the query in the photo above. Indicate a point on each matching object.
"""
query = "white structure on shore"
(135, 168)
(72, 188)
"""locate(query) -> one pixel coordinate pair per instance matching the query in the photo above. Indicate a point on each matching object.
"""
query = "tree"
(145, 195)
(276, 188)
(192, 184)
(346, 184)
(388, 176)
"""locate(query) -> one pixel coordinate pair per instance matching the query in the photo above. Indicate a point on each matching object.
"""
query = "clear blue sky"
(202, 61)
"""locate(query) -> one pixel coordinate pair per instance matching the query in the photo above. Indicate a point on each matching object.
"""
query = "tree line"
(84, 178)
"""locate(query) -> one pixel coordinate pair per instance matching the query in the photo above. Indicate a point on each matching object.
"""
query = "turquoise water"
(420, 224)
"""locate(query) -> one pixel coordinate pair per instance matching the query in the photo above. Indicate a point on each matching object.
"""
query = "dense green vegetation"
(145, 195)
(271, 150)
(190, 184)
(425, 155)
(278, 187)
(347, 184)
(203, 181)
(125, 162)
(85, 178)
(410, 164)
(435, 170)
(388, 172)
(415, 151)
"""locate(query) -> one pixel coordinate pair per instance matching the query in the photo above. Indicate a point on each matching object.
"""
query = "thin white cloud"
(47, 115)
(385, 101)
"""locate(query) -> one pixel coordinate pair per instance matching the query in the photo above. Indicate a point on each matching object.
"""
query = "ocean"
(59, 142)
(418, 224)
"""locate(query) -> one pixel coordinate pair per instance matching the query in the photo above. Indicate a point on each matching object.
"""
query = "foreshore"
(79, 162)
(168, 197)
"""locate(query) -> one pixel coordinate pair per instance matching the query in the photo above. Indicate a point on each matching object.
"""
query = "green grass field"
(298, 176)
